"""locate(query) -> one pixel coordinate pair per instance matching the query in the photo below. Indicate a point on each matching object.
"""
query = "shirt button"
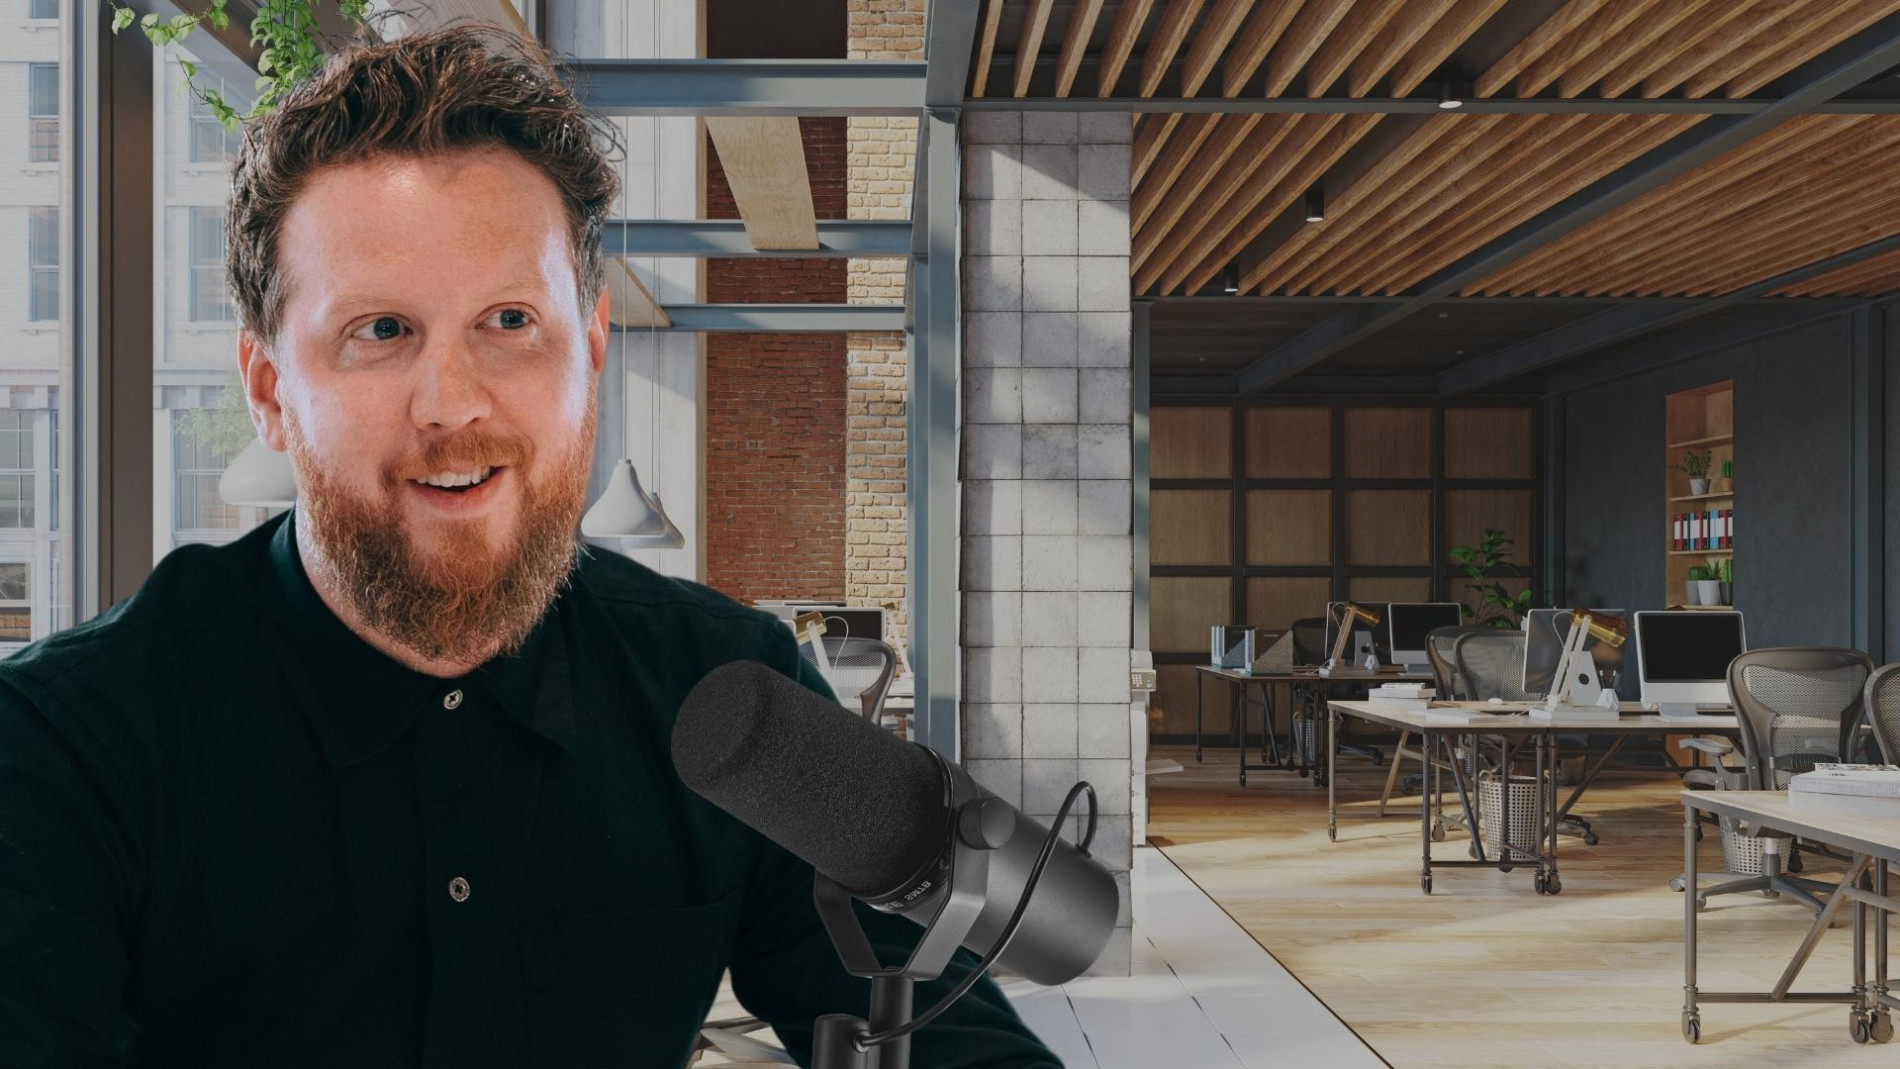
(458, 889)
(452, 700)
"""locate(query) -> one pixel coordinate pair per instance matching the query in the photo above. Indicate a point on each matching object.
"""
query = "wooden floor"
(1484, 972)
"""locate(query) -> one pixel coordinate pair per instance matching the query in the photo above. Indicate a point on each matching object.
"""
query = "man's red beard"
(465, 602)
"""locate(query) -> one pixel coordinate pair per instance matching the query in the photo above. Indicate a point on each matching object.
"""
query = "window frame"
(42, 126)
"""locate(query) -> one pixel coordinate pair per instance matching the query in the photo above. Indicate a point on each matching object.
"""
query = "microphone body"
(884, 818)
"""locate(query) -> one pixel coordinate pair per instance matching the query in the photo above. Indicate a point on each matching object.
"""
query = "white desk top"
(1842, 820)
(1511, 718)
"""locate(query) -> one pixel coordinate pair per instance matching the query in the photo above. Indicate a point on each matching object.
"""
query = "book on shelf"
(1872, 781)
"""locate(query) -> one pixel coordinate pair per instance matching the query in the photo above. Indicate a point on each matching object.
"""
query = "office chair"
(858, 669)
(1309, 641)
(1449, 687)
(1797, 706)
(1882, 699)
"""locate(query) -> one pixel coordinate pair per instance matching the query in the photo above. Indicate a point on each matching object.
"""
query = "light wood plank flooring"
(1484, 972)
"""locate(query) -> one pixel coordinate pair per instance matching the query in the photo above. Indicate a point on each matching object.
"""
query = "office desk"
(1307, 680)
(1514, 730)
(1874, 841)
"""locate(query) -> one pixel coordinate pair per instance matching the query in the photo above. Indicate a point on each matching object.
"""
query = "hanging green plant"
(285, 31)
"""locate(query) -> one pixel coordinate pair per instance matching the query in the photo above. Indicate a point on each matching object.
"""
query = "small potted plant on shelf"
(1692, 592)
(1725, 577)
(1727, 479)
(1695, 464)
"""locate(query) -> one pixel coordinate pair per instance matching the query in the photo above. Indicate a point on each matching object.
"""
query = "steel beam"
(1867, 54)
(1742, 326)
(949, 38)
(1867, 420)
(1633, 105)
(775, 319)
(749, 86)
(726, 238)
(1624, 323)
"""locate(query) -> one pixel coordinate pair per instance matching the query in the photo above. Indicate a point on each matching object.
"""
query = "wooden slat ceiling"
(1406, 196)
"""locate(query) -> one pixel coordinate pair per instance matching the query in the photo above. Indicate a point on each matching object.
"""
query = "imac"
(1408, 623)
(1682, 658)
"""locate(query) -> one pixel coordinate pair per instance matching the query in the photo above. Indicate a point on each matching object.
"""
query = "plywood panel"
(1274, 603)
(1190, 443)
(1388, 443)
(1388, 527)
(1389, 588)
(1289, 443)
(1171, 709)
(1289, 527)
(764, 161)
(1469, 512)
(1190, 527)
(1181, 610)
(1488, 443)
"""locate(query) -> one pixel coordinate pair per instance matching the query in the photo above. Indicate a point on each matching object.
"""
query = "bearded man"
(386, 782)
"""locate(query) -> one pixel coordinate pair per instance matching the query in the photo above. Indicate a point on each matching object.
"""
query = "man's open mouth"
(458, 481)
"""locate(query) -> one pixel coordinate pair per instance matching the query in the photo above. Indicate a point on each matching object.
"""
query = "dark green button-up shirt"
(234, 834)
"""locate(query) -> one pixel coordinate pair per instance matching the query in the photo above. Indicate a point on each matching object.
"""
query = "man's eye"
(382, 328)
(513, 318)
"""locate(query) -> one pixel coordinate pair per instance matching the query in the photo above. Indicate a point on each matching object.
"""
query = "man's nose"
(450, 392)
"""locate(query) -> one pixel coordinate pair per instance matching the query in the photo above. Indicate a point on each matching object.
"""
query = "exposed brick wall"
(776, 409)
(882, 153)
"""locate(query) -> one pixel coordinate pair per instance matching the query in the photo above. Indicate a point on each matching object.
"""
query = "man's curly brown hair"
(463, 86)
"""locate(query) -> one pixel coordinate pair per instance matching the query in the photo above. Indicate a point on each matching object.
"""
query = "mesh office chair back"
(1798, 705)
(861, 669)
(1438, 646)
(1491, 664)
(1309, 641)
(1883, 708)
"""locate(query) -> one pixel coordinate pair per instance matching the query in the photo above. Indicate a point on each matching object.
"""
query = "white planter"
(1692, 594)
(1709, 590)
(1698, 487)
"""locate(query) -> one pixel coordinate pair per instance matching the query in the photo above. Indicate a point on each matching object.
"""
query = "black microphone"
(873, 813)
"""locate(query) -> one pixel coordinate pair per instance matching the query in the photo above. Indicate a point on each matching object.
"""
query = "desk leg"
(1691, 1018)
(1424, 824)
(1237, 719)
(1200, 696)
(1880, 957)
(1332, 805)
(1551, 817)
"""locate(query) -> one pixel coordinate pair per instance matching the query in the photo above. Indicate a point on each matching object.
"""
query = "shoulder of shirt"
(616, 579)
(193, 590)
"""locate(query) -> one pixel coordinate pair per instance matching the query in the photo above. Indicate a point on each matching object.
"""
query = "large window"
(210, 297)
(42, 264)
(210, 141)
(42, 112)
(42, 9)
(16, 602)
(199, 456)
(16, 469)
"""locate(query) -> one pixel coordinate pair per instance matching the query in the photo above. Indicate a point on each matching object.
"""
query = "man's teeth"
(451, 479)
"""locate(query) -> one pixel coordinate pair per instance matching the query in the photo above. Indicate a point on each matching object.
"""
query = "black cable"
(868, 1040)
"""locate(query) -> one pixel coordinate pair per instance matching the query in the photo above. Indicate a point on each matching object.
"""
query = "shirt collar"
(359, 700)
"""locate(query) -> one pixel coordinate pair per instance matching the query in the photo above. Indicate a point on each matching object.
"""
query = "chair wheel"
(1553, 885)
(1438, 831)
(1692, 1027)
(1676, 884)
(1701, 902)
(1860, 1027)
(1882, 1028)
(1538, 884)
(1590, 838)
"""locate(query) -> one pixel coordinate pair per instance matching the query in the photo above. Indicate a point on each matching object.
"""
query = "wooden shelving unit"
(1694, 421)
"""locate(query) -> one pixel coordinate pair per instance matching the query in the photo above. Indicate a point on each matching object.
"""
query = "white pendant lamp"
(259, 476)
(627, 512)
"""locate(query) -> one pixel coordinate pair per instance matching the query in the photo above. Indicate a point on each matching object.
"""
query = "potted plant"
(1728, 476)
(1496, 605)
(1725, 576)
(1692, 592)
(1695, 464)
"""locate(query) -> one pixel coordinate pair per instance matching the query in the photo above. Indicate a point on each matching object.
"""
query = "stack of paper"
(1870, 781)
(1401, 696)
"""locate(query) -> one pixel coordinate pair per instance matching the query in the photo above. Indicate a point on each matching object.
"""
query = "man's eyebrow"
(351, 303)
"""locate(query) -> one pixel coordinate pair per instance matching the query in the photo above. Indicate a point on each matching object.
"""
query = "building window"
(16, 468)
(16, 602)
(42, 264)
(42, 112)
(210, 141)
(210, 297)
(52, 456)
(198, 463)
(42, 9)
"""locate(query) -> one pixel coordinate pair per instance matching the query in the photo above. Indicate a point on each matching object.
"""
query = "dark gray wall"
(1793, 484)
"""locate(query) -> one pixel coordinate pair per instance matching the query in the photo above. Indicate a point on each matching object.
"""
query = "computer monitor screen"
(1545, 632)
(1408, 623)
(1379, 632)
(1683, 657)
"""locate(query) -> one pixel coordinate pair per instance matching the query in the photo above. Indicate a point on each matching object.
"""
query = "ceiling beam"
(1867, 54)
(1632, 321)
(763, 158)
(726, 238)
(751, 86)
(1647, 354)
(949, 36)
(1416, 105)
(779, 318)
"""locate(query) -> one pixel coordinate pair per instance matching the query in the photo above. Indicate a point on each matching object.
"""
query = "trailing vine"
(285, 31)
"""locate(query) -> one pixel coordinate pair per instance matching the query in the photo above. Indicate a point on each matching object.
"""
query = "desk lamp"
(1348, 612)
(1575, 691)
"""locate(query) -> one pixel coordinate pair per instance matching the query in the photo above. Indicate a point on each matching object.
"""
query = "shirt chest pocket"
(627, 988)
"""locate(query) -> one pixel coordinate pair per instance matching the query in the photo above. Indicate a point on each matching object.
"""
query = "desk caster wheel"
(1537, 884)
(1692, 1027)
(1882, 1028)
(1438, 831)
(1425, 884)
(1553, 885)
(1860, 1027)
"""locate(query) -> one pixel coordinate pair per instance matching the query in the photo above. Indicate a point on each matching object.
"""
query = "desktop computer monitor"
(1407, 624)
(1376, 635)
(1545, 631)
(1682, 658)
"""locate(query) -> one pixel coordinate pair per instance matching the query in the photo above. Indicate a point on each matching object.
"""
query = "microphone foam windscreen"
(861, 806)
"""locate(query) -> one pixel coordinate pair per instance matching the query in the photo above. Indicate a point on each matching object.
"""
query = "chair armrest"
(1702, 779)
(1716, 747)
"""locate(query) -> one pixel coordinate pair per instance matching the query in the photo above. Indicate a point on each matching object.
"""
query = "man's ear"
(259, 372)
(598, 329)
